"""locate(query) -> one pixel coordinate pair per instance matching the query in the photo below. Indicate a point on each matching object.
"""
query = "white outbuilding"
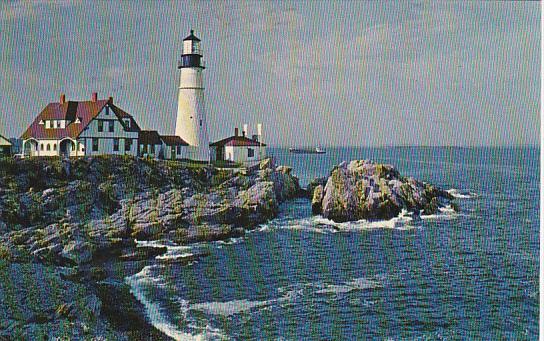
(238, 149)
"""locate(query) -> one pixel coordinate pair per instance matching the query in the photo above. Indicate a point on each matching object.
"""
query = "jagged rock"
(78, 251)
(313, 184)
(317, 198)
(70, 218)
(366, 190)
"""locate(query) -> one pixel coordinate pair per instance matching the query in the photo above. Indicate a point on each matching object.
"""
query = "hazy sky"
(340, 73)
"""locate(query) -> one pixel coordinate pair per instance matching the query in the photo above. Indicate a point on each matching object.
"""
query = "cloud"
(16, 10)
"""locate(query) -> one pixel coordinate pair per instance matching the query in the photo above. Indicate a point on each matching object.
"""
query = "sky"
(342, 73)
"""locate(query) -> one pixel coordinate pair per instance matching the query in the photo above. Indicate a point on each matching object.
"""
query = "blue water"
(471, 275)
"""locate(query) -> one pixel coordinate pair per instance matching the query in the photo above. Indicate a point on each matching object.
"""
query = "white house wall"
(167, 150)
(4, 142)
(239, 154)
(54, 148)
(106, 138)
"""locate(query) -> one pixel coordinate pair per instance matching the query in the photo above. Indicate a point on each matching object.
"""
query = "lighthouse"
(191, 122)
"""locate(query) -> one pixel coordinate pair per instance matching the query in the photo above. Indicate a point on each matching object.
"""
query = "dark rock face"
(366, 190)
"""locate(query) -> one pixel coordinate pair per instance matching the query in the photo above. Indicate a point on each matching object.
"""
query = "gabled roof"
(86, 111)
(191, 36)
(123, 114)
(172, 140)
(237, 141)
(149, 137)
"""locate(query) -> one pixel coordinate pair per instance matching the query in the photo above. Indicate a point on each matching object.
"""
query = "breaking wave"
(356, 284)
(145, 280)
(462, 194)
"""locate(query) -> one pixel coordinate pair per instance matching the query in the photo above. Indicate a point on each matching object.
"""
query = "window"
(115, 145)
(111, 126)
(95, 144)
(48, 147)
(41, 146)
(127, 123)
(107, 110)
(250, 152)
(151, 149)
(47, 124)
(128, 145)
(201, 123)
(100, 126)
(144, 148)
(58, 124)
(54, 146)
(179, 150)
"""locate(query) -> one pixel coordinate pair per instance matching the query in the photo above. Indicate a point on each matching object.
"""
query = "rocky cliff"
(70, 218)
(366, 190)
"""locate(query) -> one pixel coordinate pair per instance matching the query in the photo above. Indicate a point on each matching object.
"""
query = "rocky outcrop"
(365, 190)
(80, 208)
(71, 216)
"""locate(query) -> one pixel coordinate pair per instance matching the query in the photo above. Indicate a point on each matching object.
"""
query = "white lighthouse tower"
(191, 122)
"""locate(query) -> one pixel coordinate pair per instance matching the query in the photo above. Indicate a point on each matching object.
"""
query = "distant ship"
(316, 150)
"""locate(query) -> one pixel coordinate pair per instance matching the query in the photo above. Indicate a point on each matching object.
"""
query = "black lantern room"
(192, 54)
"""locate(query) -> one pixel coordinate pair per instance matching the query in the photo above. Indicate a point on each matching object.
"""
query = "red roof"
(237, 141)
(172, 140)
(86, 111)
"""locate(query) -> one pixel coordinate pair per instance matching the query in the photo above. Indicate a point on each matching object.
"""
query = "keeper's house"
(73, 128)
(5, 146)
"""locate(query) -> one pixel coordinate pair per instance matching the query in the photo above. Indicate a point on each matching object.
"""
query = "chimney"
(62, 98)
(94, 97)
(236, 131)
(110, 100)
(244, 131)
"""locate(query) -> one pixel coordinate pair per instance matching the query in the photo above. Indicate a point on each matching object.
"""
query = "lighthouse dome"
(191, 36)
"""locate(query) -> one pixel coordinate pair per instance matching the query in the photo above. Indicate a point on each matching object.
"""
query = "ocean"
(471, 274)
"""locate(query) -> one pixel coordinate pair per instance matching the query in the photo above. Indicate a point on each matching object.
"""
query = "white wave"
(461, 194)
(229, 308)
(171, 256)
(155, 313)
(356, 284)
(445, 213)
(230, 241)
(235, 307)
(149, 243)
(400, 223)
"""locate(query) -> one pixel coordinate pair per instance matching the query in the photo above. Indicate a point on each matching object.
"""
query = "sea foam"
(158, 318)
(462, 194)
